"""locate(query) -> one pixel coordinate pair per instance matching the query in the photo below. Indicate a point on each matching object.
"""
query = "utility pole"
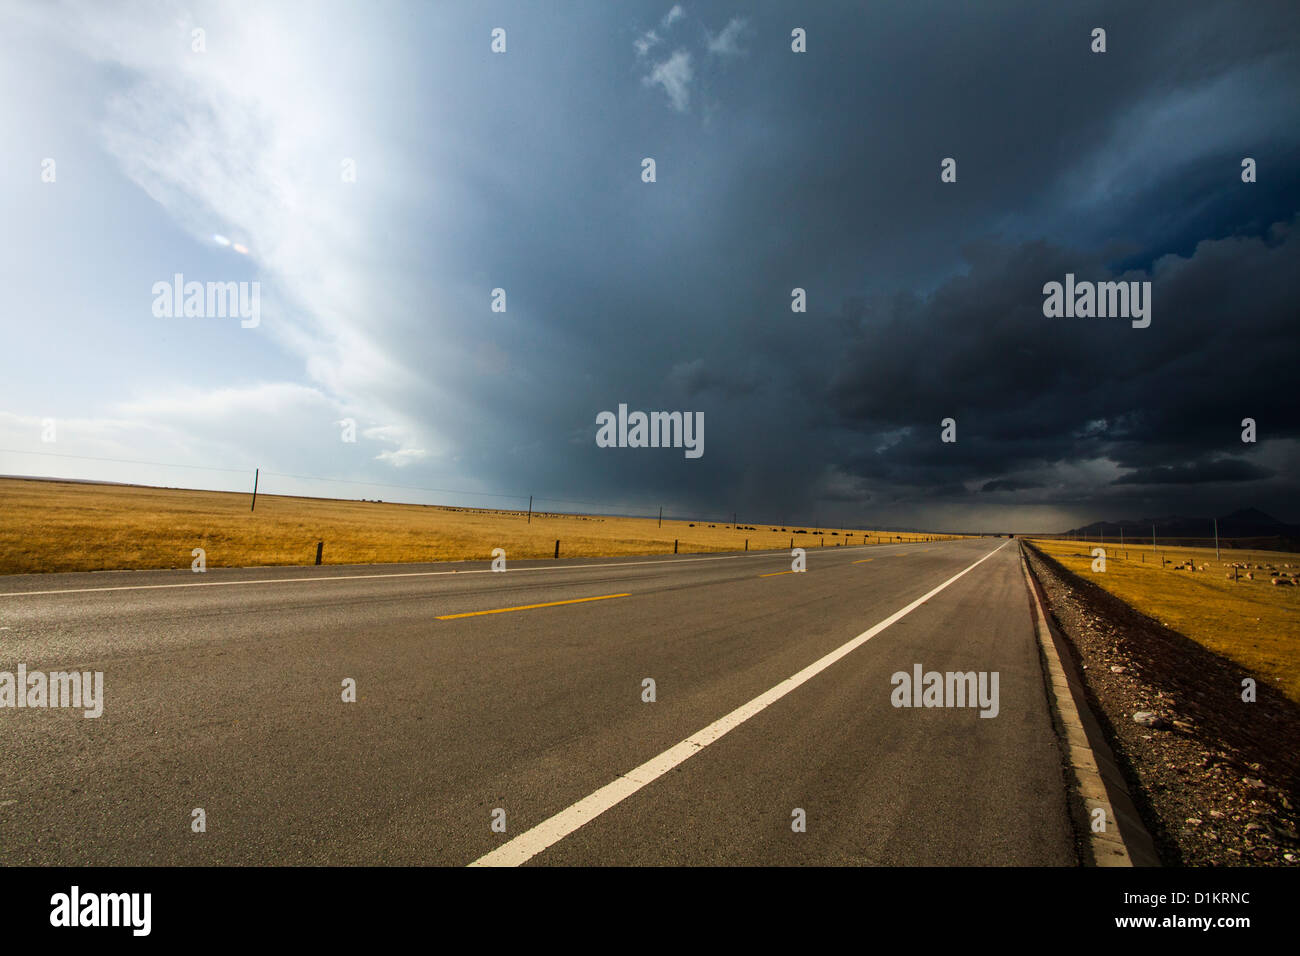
(1216, 539)
(661, 516)
(530, 509)
(255, 471)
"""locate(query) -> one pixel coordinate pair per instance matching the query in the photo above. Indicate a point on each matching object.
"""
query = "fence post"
(746, 544)
(320, 546)
(674, 545)
(557, 549)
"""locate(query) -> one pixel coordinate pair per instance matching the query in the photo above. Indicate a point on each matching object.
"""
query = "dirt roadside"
(1216, 779)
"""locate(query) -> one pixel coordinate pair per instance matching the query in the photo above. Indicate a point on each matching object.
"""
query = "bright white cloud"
(727, 43)
(402, 457)
(650, 39)
(674, 75)
(246, 139)
(645, 42)
(270, 419)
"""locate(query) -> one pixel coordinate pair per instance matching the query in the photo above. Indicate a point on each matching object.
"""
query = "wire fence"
(1256, 542)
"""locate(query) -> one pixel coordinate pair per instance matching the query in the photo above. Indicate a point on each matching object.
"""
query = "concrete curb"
(1098, 782)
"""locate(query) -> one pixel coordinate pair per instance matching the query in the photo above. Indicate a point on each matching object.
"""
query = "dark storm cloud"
(1223, 469)
(821, 171)
(1007, 484)
(1027, 390)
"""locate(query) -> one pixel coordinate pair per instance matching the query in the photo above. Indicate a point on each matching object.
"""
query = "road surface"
(224, 691)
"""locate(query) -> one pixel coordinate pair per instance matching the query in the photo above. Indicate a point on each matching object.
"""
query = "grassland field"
(1247, 619)
(48, 526)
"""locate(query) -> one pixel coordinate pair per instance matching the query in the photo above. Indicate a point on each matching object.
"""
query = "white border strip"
(532, 842)
(1095, 781)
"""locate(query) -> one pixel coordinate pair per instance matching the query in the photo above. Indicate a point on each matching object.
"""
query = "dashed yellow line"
(864, 561)
(529, 607)
(775, 573)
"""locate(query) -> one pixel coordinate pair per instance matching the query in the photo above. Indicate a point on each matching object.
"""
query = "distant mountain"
(1245, 523)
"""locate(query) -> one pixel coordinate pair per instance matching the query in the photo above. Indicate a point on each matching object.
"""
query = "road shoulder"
(1207, 772)
(1108, 828)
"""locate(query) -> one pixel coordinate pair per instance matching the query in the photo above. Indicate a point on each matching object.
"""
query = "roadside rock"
(1148, 719)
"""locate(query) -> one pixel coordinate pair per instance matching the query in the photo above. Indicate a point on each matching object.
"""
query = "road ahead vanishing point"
(771, 695)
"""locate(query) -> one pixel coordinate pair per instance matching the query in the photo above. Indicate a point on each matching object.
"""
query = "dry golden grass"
(69, 526)
(1254, 623)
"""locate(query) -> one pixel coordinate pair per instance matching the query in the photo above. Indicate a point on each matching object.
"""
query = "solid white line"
(408, 574)
(354, 577)
(531, 842)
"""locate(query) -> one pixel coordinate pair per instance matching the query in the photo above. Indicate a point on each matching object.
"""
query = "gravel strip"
(1216, 779)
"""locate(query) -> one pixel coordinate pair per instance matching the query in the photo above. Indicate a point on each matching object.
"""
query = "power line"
(122, 461)
(244, 471)
(384, 484)
(342, 481)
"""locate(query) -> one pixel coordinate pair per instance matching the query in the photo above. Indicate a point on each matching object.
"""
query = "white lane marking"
(401, 574)
(531, 842)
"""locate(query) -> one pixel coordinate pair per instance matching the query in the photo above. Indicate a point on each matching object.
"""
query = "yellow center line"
(775, 573)
(864, 561)
(529, 607)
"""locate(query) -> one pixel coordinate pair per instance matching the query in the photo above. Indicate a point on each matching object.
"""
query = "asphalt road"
(225, 693)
